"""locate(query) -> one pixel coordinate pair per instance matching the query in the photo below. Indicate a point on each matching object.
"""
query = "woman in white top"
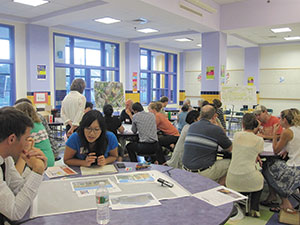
(284, 177)
(243, 175)
(73, 105)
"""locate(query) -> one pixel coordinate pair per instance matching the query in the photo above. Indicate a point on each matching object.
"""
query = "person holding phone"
(91, 144)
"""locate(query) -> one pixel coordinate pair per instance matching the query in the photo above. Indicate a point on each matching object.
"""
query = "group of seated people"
(194, 146)
(242, 173)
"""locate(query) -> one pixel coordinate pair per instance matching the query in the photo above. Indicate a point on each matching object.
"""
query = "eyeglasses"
(90, 130)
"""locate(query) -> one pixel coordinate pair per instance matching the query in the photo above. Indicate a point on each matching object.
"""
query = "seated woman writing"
(284, 177)
(242, 175)
(91, 143)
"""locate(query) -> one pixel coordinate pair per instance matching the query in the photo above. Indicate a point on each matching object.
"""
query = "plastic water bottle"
(102, 202)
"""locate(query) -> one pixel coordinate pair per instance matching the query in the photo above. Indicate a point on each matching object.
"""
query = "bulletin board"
(238, 95)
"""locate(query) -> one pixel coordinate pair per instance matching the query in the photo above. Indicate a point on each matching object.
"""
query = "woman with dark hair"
(217, 103)
(284, 176)
(242, 175)
(91, 143)
(73, 105)
(114, 125)
(176, 159)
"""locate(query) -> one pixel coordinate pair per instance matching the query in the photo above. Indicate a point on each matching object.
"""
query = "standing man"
(266, 122)
(17, 193)
(73, 105)
(201, 146)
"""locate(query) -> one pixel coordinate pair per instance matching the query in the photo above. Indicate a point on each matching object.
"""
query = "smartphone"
(121, 165)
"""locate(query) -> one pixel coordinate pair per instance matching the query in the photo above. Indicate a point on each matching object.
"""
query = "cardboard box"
(289, 218)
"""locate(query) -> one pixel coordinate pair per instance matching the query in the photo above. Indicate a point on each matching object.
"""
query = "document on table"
(129, 201)
(59, 171)
(268, 147)
(87, 187)
(134, 178)
(110, 168)
(219, 196)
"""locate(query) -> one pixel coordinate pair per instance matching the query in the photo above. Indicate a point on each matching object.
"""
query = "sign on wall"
(240, 95)
(41, 72)
(210, 73)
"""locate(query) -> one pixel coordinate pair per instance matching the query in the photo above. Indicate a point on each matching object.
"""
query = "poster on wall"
(109, 93)
(210, 73)
(223, 79)
(250, 81)
(134, 82)
(41, 72)
(40, 97)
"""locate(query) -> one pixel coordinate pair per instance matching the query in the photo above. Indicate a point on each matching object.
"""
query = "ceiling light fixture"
(31, 2)
(189, 9)
(281, 30)
(147, 30)
(292, 38)
(107, 20)
(199, 45)
(183, 39)
(202, 5)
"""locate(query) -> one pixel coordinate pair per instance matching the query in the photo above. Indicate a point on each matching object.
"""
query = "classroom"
(147, 49)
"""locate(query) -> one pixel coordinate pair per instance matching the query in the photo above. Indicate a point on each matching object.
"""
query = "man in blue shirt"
(201, 145)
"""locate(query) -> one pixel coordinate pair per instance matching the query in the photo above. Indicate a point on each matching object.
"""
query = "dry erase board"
(239, 95)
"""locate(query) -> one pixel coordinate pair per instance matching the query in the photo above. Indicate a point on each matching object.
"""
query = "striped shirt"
(201, 144)
(144, 123)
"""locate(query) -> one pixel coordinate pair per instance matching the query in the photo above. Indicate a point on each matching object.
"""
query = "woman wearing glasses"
(91, 144)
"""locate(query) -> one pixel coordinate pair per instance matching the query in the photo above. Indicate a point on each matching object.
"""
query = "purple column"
(252, 59)
(214, 52)
(37, 45)
(132, 63)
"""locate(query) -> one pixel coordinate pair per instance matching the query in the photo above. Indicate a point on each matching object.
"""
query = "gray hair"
(78, 85)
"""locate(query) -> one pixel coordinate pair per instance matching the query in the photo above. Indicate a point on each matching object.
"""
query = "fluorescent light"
(183, 39)
(147, 30)
(281, 30)
(202, 5)
(107, 20)
(32, 2)
(199, 45)
(292, 38)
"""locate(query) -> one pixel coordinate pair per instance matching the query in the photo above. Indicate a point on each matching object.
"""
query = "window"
(7, 65)
(91, 60)
(158, 76)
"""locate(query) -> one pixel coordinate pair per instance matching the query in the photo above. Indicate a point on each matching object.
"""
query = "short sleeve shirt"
(81, 153)
(201, 144)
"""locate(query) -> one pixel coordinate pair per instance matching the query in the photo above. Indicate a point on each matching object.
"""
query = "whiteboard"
(239, 95)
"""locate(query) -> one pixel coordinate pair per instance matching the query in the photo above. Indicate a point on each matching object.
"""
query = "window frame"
(87, 68)
(150, 73)
(11, 63)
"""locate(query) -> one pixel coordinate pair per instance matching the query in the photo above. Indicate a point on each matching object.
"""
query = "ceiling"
(79, 15)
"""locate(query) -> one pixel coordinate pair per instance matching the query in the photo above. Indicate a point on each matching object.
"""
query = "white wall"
(235, 66)
(192, 84)
(280, 61)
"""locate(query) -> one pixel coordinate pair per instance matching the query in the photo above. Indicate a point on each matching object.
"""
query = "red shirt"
(268, 126)
(165, 125)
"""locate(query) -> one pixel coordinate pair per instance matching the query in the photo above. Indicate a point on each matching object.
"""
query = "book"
(93, 170)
